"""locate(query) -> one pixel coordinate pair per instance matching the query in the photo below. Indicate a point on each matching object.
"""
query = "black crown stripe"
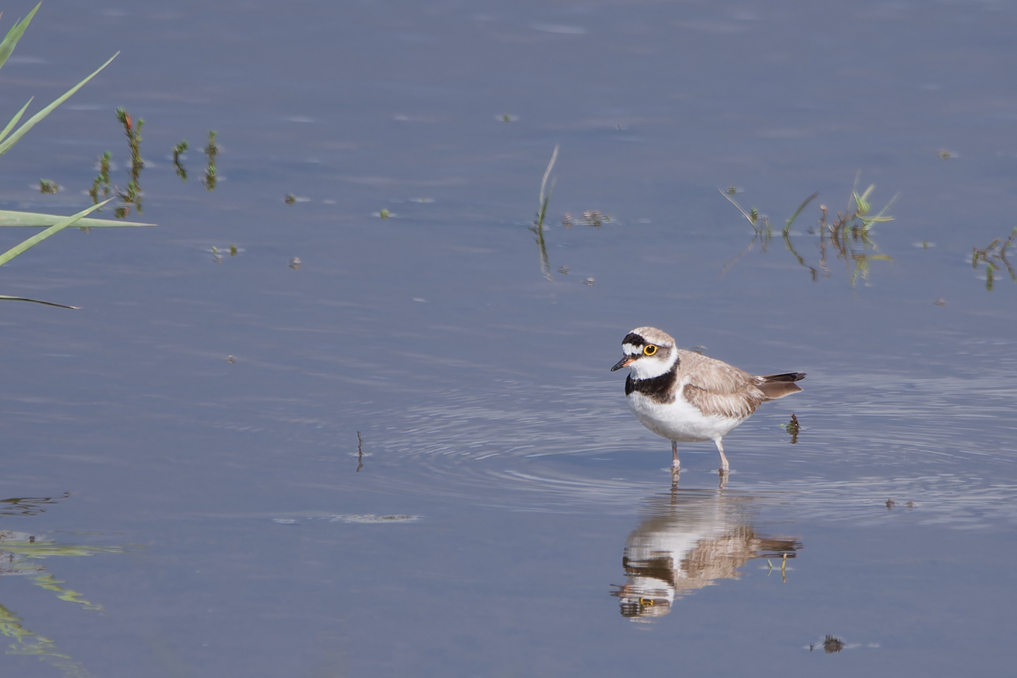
(634, 339)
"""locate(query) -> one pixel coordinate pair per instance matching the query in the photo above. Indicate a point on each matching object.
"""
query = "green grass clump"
(11, 134)
(847, 235)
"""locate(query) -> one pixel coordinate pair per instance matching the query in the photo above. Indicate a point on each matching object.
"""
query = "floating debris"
(792, 428)
(595, 218)
(830, 645)
(47, 186)
(295, 263)
(371, 518)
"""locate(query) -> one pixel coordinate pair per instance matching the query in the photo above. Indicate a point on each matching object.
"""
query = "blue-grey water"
(184, 448)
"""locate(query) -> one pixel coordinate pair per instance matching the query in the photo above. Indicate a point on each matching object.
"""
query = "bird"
(687, 397)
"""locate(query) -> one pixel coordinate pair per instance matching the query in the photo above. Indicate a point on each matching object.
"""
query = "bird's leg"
(675, 464)
(724, 468)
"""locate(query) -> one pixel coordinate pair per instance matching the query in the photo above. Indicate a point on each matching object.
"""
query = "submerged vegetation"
(847, 235)
(13, 133)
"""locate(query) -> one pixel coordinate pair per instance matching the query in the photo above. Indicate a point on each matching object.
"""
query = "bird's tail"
(776, 386)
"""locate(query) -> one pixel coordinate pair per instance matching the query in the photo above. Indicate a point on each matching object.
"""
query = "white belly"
(679, 420)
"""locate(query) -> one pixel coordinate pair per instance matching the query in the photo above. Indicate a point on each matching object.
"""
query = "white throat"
(648, 367)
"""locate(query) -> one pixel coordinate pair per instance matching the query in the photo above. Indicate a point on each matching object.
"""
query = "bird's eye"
(649, 349)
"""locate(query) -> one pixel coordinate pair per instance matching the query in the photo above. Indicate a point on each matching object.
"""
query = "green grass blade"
(35, 220)
(748, 217)
(52, 230)
(13, 35)
(14, 121)
(6, 145)
(4, 297)
(787, 226)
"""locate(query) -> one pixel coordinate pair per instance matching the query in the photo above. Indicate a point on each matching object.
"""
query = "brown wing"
(718, 388)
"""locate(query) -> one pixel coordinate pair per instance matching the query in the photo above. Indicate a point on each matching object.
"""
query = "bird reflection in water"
(688, 540)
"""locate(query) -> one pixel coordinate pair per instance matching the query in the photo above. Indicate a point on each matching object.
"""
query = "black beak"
(626, 360)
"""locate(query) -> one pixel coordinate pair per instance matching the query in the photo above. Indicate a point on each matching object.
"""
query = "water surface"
(194, 428)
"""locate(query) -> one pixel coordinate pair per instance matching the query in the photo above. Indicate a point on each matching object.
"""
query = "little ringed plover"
(687, 397)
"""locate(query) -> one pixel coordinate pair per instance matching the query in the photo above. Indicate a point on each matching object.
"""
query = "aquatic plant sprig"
(994, 257)
(133, 134)
(102, 181)
(132, 194)
(178, 151)
(542, 202)
(210, 178)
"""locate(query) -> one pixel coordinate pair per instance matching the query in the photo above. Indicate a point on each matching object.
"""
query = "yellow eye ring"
(649, 349)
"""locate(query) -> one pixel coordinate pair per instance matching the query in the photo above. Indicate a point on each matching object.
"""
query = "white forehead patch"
(631, 349)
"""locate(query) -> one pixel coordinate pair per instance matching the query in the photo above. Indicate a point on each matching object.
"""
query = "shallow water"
(194, 428)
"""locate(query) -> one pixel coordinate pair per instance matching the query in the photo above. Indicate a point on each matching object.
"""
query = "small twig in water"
(360, 452)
